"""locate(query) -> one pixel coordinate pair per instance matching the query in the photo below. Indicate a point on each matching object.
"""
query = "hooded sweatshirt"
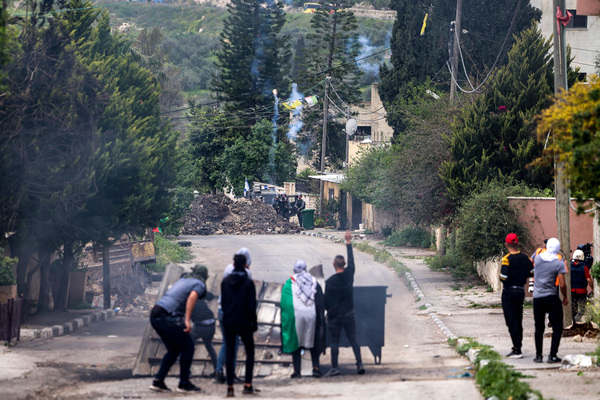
(238, 301)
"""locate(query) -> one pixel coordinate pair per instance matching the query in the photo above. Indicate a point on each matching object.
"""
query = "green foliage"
(402, 177)
(595, 271)
(172, 223)
(306, 172)
(168, 251)
(319, 222)
(575, 125)
(502, 381)
(484, 220)
(7, 271)
(415, 58)
(452, 262)
(410, 236)
(494, 138)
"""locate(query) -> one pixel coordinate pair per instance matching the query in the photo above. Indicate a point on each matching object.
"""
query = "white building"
(582, 33)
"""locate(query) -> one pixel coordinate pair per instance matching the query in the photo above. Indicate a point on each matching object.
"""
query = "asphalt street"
(96, 362)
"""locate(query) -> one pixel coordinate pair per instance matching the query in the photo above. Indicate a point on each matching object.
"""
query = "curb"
(68, 327)
(413, 284)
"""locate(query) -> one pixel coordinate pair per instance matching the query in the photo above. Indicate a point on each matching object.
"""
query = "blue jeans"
(178, 344)
(223, 351)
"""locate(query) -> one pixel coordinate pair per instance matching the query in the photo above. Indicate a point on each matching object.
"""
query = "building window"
(331, 194)
(577, 21)
(582, 77)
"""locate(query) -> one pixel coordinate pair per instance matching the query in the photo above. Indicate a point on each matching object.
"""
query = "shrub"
(413, 237)
(484, 220)
(453, 263)
(7, 272)
(167, 252)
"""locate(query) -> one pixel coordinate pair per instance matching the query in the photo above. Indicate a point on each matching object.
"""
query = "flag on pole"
(246, 188)
(424, 24)
(311, 100)
(291, 105)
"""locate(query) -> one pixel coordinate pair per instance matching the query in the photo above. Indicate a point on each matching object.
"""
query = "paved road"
(416, 362)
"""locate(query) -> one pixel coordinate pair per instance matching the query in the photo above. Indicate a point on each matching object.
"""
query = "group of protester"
(547, 270)
(181, 316)
(283, 207)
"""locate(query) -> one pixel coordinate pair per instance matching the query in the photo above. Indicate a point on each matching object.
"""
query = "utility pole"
(560, 183)
(456, 40)
(324, 142)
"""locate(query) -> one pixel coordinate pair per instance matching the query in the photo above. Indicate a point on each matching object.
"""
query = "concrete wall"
(584, 42)
(539, 216)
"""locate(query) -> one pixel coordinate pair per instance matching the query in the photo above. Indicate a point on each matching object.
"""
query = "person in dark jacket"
(300, 205)
(515, 270)
(238, 301)
(171, 319)
(205, 327)
(339, 303)
(580, 279)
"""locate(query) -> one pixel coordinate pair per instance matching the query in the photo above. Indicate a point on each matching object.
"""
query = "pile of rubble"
(218, 215)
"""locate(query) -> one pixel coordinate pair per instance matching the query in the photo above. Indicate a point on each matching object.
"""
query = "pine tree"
(254, 56)
(494, 139)
(331, 51)
(416, 58)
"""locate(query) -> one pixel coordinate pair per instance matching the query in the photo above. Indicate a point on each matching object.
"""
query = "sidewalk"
(468, 309)
(52, 324)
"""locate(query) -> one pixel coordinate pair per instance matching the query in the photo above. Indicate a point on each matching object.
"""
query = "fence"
(10, 319)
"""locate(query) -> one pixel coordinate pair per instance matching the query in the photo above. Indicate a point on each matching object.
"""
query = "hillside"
(191, 34)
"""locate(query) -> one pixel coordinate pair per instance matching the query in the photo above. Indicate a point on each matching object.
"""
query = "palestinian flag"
(297, 320)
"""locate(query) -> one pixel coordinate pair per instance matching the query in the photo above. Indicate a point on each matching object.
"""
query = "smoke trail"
(296, 122)
(272, 174)
(369, 65)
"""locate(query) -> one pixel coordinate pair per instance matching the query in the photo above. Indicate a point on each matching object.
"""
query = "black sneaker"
(333, 372)
(360, 369)
(316, 373)
(159, 386)
(515, 354)
(250, 390)
(187, 387)
(554, 359)
(295, 375)
(538, 359)
(230, 391)
(220, 377)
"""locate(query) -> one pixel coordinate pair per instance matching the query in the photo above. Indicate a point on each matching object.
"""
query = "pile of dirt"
(219, 215)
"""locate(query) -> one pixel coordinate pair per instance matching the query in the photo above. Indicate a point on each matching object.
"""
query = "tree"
(415, 57)
(574, 123)
(210, 133)
(254, 56)
(403, 177)
(495, 138)
(331, 51)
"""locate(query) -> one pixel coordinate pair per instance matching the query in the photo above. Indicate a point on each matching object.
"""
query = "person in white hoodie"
(548, 266)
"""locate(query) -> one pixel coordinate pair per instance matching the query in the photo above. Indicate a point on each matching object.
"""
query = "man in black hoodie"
(339, 303)
(238, 301)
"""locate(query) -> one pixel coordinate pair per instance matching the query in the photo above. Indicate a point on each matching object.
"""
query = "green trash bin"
(308, 218)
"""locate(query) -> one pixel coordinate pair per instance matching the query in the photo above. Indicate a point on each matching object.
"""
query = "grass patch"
(412, 237)
(452, 263)
(495, 378)
(167, 251)
(455, 286)
(383, 256)
(423, 307)
(80, 305)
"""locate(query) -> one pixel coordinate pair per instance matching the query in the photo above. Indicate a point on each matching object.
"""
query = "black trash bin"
(369, 310)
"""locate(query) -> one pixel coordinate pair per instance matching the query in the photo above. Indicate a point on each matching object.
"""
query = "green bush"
(7, 273)
(484, 220)
(595, 272)
(453, 263)
(167, 251)
(413, 237)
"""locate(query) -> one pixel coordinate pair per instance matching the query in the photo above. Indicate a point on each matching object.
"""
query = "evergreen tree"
(254, 56)
(415, 57)
(331, 51)
(494, 139)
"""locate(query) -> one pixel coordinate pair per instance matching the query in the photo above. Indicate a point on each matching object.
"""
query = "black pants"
(552, 306)
(178, 344)
(512, 305)
(206, 333)
(247, 337)
(299, 215)
(297, 359)
(348, 324)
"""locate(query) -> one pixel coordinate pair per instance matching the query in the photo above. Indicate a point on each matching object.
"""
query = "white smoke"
(296, 121)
